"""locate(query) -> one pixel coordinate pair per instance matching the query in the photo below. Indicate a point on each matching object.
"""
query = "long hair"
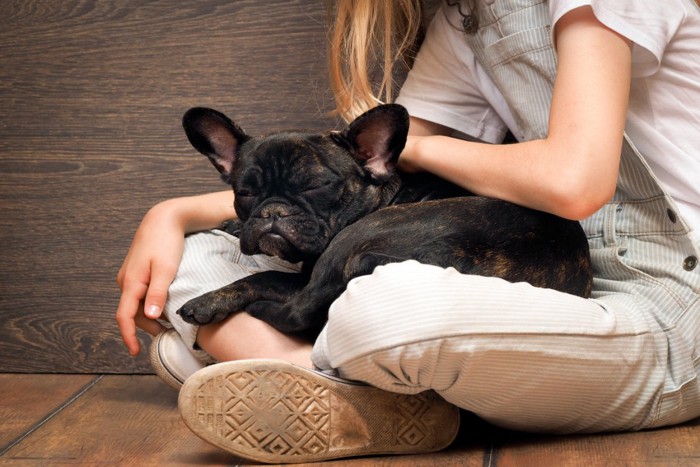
(370, 41)
(373, 44)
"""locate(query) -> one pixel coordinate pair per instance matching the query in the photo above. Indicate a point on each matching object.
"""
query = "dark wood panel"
(92, 95)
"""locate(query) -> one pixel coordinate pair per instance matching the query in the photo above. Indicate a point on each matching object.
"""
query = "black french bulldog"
(335, 202)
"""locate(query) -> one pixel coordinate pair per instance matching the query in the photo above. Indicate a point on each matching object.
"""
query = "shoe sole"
(274, 412)
(157, 363)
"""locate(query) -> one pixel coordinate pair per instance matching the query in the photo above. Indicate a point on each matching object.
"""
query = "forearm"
(196, 213)
(547, 175)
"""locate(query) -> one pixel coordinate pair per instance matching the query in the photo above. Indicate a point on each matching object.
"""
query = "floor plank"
(120, 420)
(133, 420)
(29, 400)
(674, 446)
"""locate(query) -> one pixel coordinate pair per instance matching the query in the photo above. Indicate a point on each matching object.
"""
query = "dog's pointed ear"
(214, 135)
(377, 138)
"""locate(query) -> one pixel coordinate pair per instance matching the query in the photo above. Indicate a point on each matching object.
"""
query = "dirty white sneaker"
(172, 360)
(275, 412)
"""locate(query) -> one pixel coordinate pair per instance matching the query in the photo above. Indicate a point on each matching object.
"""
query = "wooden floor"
(133, 420)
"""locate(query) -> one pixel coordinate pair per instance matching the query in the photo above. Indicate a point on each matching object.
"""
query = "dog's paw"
(203, 310)
(232, 227)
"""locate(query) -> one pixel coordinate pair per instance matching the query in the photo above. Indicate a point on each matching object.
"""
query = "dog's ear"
(376, 139)
(214, 135)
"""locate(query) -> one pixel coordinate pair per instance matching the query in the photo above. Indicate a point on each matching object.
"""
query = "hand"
(155, 254)
(147, 271)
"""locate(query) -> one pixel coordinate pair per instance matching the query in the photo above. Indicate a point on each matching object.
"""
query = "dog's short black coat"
(335, 202)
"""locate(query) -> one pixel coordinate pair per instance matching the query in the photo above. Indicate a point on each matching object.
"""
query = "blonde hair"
(368, 39)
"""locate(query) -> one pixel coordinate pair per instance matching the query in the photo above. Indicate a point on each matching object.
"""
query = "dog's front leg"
(267, 286)
(306, 312)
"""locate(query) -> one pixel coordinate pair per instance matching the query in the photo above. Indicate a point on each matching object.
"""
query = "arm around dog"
(202, 212)
(154, 256)
(573, 171)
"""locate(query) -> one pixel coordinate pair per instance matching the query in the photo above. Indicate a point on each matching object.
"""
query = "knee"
(404, 303)
(375, 306)
(366, 296)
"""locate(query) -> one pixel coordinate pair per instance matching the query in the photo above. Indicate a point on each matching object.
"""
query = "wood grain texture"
(92, 95)
(127, 420)
(28, 401)
(673, 446)
(133, 420)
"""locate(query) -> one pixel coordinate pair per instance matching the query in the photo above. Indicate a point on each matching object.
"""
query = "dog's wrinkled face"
(294, 190)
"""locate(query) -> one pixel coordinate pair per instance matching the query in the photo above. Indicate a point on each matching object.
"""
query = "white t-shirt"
(448, 86)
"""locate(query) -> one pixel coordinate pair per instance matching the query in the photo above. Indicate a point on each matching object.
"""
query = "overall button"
(690, 263)
(671, 215)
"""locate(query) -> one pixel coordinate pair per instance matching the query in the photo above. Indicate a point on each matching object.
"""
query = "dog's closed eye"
(318, 187)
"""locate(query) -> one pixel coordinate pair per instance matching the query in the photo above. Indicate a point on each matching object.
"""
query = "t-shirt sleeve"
(443, 85)
(649, 24)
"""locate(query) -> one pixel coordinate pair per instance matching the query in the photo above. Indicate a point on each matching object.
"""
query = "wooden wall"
(91, 97)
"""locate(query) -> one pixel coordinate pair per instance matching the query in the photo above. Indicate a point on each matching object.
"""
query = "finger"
(157, 294)
(120, 277)
(127, 310)
(127, 328)
(151, 326)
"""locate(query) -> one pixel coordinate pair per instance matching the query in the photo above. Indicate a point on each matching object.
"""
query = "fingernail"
(153, 311)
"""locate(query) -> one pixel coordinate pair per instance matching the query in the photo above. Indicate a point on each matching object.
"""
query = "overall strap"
(512, 41)
(513, 44)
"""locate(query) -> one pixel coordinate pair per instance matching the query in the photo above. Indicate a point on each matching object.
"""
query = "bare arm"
(155, 254)
(573, 171)
(202, 212)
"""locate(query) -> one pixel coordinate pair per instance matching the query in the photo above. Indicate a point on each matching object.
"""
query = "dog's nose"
(274, 211)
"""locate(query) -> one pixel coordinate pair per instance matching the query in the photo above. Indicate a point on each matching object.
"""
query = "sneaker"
(275, 412)
(172, 360)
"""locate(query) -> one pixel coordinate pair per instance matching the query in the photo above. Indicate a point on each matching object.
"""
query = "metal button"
(469, 24)
(690, 263)
(671, 215)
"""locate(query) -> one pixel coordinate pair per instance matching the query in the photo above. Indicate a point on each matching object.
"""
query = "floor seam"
(51, 415)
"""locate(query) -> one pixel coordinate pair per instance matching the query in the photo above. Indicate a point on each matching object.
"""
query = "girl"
(604, 100)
